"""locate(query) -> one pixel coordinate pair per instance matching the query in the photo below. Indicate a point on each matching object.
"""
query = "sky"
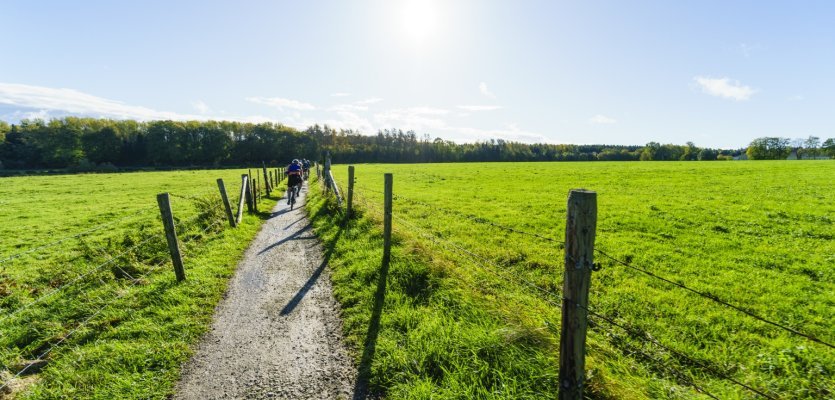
(717, 73)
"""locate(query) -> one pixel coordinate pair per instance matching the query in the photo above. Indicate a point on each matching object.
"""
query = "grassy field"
(469, 309)
(103, 306)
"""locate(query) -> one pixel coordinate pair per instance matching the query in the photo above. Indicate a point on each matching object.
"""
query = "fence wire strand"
(478, 259)
(471, 217)
(79, 327)
(76, 279)
(88, 231)
(496, 269)
(716, 300)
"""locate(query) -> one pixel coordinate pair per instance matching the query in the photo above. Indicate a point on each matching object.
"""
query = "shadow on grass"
(361, 387)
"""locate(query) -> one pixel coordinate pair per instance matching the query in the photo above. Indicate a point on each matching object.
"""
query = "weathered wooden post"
(254, 195)
(242, 198)
(249, 201)
(326, 172)
(580, 229)
(350, 192)
(387, 220)
(225, 199)
(164, 202)
(267, 187)
(318, 172)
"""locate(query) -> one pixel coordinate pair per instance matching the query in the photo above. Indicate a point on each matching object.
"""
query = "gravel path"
(277, 334)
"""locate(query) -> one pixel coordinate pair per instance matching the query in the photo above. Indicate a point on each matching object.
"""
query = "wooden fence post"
(242, 198)
(267, 186)
(254, 195)
(225, 199)
(350, 192)
(249, 200)
(389, 180)
(164, 202)
(580, 229)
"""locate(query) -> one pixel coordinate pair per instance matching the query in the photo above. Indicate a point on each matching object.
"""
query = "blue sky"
(718, 73)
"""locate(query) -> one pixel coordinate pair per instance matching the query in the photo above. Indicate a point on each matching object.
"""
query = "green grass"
(451, 325)
(118, 329)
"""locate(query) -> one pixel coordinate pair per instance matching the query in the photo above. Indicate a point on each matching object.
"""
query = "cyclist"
(306, 168)
(294, 177)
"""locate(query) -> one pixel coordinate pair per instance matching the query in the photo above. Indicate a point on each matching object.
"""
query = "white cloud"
(56, 103)
(201, 107)
(510, 132)
(480, 108)
(348, 107)
(340, 94)
(74, 102)
(282, 104)
(724, 87)
(602, 119)
(349, 120)
(748, 49)
(483, 88)
(369, 101)
(413, 118)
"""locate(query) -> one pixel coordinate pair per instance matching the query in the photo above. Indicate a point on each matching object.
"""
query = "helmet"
(296, 162)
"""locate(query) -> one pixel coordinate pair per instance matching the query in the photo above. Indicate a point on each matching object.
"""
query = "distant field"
(86, 279)
(467, 314)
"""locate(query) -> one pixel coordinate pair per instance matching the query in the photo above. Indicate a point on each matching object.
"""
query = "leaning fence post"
(350, 192)
(387, 220)
(580, 227)
(164, 202)
(225, 199)
(242, 198)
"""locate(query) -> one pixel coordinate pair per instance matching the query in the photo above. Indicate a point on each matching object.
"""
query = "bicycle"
(292, 194)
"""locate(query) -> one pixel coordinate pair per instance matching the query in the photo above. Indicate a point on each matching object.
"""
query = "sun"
(419, 19)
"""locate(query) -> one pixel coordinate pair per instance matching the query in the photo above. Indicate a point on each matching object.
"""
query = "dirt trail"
(277, 333)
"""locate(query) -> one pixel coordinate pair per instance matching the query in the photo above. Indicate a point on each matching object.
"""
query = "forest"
(86, 144)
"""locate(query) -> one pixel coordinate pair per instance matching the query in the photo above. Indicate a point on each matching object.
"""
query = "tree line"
(780, 148)
(72, 142)
(91, 143)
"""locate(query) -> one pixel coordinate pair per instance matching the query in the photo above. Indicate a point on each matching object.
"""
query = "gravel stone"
(277, 334)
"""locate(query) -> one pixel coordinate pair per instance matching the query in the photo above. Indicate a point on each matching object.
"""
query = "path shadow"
(291, 305)
(293, 236)
(293, 223)
(361, 389)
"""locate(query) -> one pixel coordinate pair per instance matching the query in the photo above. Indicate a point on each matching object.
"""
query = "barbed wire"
(662, 363)
(79, 327)
(464, 251)
(496, 269)
(91, 230)
(76, 279)
(471, 217)
(640, 333)
(716, 300)
(700, 293)
(450, 245)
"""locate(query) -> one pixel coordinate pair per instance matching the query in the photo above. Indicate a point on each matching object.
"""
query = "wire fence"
(554, 297)
(96, 228)
(146, 248)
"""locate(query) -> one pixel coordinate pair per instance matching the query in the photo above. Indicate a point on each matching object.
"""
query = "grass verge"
(102, 316)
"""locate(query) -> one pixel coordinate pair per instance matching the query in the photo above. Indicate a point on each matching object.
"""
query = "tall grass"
(101, 312)
(466, 314)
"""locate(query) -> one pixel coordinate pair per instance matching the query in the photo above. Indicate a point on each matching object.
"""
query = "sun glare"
(419, 19)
